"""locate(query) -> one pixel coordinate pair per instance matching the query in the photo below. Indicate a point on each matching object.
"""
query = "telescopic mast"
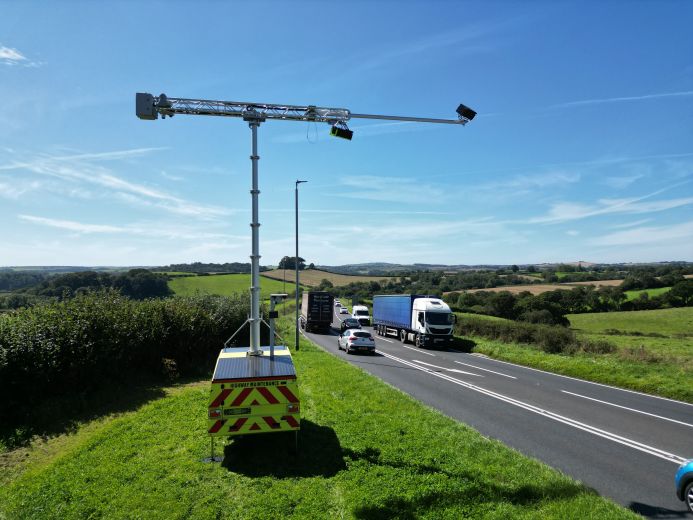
(149, 107)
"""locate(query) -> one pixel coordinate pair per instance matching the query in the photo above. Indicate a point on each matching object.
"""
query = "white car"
(356, 340)
(343, 310)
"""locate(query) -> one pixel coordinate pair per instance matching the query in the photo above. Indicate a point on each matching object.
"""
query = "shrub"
(599, 346)
(555, 340)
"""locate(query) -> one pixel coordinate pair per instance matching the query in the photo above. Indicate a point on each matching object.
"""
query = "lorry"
(422, 320)
(316, 311)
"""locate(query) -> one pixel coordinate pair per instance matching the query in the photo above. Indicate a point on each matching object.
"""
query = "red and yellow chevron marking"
(255, 396)
(245, 425)
(259, 408)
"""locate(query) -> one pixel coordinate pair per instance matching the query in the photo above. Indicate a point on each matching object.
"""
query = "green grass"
(632, 295)
(356, 459)
(662, 321)
(225, 285)
(654, 351)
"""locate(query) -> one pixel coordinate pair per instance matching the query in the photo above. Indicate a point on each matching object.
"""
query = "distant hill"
(49, 269)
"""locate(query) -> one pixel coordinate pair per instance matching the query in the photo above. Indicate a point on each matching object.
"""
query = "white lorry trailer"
(418, 319)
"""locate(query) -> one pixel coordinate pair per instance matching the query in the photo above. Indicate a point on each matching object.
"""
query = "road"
(625, 445)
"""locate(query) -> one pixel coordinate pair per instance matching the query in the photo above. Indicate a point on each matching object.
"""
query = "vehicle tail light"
(214, 413)
(352, 338)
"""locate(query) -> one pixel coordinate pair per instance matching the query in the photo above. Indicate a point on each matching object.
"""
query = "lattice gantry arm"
(149, 107)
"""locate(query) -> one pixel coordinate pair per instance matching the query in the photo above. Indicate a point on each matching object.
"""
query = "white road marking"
(630, 409)
(446, 369)
(549, 415)
(388, 340)
(418, 350)
(486, 370)
(584, 380)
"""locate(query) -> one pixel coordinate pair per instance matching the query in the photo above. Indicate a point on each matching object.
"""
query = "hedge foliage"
(551, 339)
(83, 343)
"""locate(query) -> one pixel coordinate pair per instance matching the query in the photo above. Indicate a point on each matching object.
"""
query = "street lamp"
(296, 261)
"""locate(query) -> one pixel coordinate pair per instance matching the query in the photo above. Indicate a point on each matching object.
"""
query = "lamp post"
(296, 261)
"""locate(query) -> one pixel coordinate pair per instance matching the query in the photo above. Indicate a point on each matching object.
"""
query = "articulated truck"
(316, 311)
(414, 318)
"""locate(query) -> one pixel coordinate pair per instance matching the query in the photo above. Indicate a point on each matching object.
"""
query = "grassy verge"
(653, 353)
(366, 451)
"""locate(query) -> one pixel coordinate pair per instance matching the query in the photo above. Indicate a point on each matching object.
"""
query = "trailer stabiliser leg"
(212, 458)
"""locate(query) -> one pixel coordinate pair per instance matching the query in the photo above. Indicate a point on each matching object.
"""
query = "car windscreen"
(439, 318)
(361, 313)
(361, 334)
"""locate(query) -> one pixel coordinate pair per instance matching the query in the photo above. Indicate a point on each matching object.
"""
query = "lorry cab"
(432, 317)
(361, 313)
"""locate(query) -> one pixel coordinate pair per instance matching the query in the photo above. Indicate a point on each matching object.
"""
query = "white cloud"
(10, 56)
(622, 99)
(79, 170)
(565, 211)
(621, 182)
(16, 190)
(537, 180)
(71, 225)
(678, 233)
(631, 224)
(390, 189)
(572, 233)
(144, 229)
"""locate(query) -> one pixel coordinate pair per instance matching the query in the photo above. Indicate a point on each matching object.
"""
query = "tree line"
(137, 284)
(200, 267)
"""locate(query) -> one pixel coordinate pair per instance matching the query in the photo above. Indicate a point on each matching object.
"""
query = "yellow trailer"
(253, 394)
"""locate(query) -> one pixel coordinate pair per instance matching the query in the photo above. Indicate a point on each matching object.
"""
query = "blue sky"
(582, 149)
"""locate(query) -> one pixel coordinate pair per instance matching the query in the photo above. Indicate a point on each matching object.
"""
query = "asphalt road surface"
(625, 445)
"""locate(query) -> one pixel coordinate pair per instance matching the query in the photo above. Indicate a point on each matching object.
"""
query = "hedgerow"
(549, 338)
(84, 343)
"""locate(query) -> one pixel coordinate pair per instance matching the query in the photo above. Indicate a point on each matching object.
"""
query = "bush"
(555, 340)
(543, 316)
(82, 344)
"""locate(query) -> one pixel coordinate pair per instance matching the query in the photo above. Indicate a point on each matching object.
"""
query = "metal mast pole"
(254, 350)
(296, 265)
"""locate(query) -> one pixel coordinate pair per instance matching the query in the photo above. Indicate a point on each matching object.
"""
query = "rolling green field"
(224, 285)
(355, 459)
(664, 321)
(654, 351)
(632, 295)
